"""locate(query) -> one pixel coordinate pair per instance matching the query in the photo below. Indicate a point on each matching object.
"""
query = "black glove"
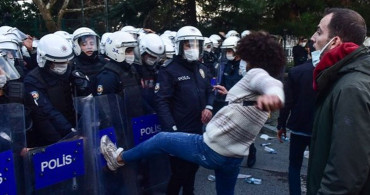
(81, 83)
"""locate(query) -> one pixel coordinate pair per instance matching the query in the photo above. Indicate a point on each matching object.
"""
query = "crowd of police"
(172, 75)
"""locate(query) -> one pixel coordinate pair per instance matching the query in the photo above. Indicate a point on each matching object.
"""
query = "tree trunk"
(46, 16)
(192, 12)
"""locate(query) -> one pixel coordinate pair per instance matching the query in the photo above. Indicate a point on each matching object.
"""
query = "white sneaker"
(110, 152)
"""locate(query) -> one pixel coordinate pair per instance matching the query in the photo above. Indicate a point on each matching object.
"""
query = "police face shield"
(19, 34)
(9, 70)
(192, 50)
(88, 44)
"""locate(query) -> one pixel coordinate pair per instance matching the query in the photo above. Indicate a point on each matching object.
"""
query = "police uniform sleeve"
(51, 124)
(210, 92)
(164, 90)
(106, 83)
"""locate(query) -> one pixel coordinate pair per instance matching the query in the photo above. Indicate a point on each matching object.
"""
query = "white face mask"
(130, 59)
(230, 56)
(317, 54)
(150, 61)
(2, 80)
(191, 54)
(59, 68)
(303, 44)
(207, 49)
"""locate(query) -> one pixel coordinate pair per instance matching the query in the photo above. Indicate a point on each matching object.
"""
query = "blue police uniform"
(148, 77)
(209, 60)
(90, 66)
(183, 90)
(49, 97)
(122, 79)
(231, 74)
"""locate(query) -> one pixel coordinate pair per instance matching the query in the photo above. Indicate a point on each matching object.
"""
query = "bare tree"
(46, 8)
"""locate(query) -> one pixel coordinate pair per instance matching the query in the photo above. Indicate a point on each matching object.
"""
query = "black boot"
(252, 156)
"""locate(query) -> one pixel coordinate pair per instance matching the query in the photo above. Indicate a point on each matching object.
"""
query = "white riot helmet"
(230, 43)
(153, 45)
(195, 39)
(216, 40)
(53, 48)
(169, 46)
(4, 29)
(86, 36)
(16, 34)
(245, 33)
(65, 35)
(208, 45)
(103, 40)
(116, 45)
(10, 47)
(128, 29)
(232, 33)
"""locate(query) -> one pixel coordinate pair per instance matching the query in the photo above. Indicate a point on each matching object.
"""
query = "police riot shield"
(12, 147)
(100, 116)
(152, 173)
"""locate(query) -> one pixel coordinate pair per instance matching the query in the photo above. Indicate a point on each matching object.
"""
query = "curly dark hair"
(261, 50)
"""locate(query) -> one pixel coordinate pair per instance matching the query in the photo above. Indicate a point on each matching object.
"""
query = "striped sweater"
(233, 129)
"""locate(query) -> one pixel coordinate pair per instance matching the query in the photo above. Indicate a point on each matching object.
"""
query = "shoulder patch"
(99, 89)
(167, 62)
(35, 95)
(156, 88)
(201, 71)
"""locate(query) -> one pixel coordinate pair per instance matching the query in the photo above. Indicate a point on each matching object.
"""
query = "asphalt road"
(271, 168)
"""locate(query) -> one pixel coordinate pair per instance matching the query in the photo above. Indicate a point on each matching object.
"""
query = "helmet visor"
(10, 72)
(88, 43)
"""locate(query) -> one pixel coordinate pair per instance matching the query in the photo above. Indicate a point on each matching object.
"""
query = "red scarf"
(332, 57)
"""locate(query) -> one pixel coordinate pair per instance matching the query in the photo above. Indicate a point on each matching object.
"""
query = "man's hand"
(280, 133)
(28, 43)
(269, 103)
(206, 116)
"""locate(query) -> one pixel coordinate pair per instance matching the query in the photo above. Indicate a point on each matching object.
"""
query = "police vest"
(130, 89)
(60, 94)
(14, 92)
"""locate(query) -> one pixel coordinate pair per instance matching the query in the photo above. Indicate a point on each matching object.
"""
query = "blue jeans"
(298, 144)
(190, 147)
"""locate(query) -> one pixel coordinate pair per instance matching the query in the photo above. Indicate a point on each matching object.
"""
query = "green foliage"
(296, 17)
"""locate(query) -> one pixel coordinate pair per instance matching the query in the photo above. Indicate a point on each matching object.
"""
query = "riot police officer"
(13, 89)
(49, 93)
(231, 73)
(209, 57)
(152, 50)
(119, 75)
(87, 60)
(184, 100)
(217, 41)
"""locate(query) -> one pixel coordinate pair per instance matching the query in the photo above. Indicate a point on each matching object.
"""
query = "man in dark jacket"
(299, 108)
(300, 52)
(340, 146)
(184, 100)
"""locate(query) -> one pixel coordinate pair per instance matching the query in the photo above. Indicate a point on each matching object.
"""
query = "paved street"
(271, 168)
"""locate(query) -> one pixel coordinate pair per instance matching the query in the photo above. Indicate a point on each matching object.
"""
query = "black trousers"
(183, 176)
